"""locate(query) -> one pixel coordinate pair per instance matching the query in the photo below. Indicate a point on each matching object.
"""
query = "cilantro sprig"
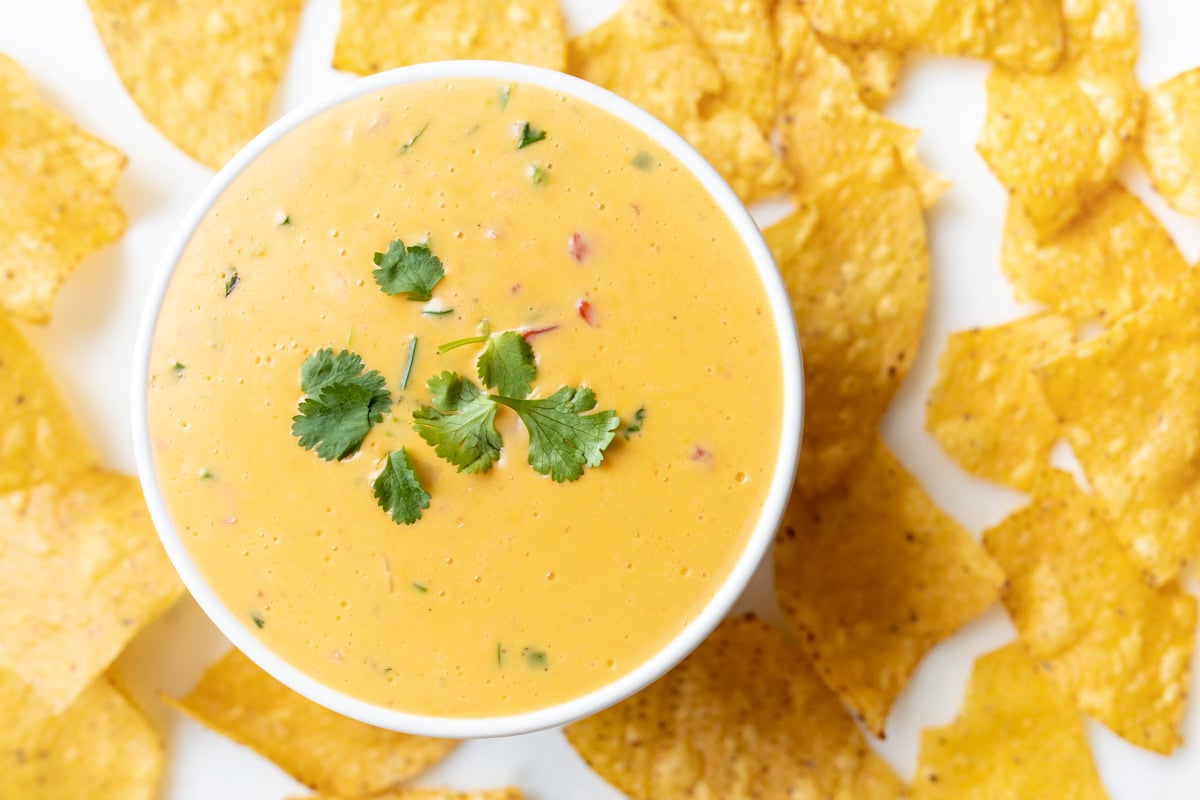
(398, 489)
(507, 364)
(412, 271)
(341, 404)
(460, 426)
(529, 135)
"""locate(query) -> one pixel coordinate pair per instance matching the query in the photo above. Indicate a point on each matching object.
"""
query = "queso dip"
(512, 592)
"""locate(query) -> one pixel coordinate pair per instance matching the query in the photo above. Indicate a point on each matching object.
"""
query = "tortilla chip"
(1113, 258)
(737, 148)
(203, 72)
(1046, 143)
(1016, 736)
(854, 260)
(1020, 34)
(737, 34)
(56, 201)
(743, 716)
(1119, 648)
(827, 132)
(873, 575)
(986, 409)
(316, 746)
(83, 573)
(100, 747)
(875, 69)
(647, 55)
(419, 793)
(1129, 403)
(38, 438)
(1170, 143)
(381, 34)
(1055, 141)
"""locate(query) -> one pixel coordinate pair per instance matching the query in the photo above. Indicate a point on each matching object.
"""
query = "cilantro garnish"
(413, 271)
(341, 404)
(507, 364)
(461, 423)
(408, 365)
(639, 417)
(536, 659)
(502, 96)
(412, 140)
(178, 367)
(437, 312)
(446, 347)
(399, 490)
(643, 161)
(529, 135)
(231, 280)
(259, 622)
(537, 175)
(420, 587)
(563, 439)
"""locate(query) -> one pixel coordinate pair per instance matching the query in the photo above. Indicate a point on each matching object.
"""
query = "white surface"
(770, 513)
(88, 349)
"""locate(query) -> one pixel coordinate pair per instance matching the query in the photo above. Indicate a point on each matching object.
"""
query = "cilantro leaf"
(231, 280)
(506, 364)
(323, 369)
(529, 135)
(408, 270)
(562, 439)
(399, 490)
(335, 421)
(412, 140)
(461, 423)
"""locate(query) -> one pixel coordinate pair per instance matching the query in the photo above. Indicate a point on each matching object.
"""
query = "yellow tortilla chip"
(38, 438)
(1170, 143)
(828, 133)
(875, 69)
(100, 747)
(737, 34)
(1046, 143)
(743, 716)
(873, 575)
(381, 34)
(316, 746)
(419, 793)
(1129, 403)
(854, 260)
(986, 409)
(1113, 258)
(1020, 34)
(647, 55)
(1055, 141)
(83, 573)
(1119, 648)
(1016, 736)
(56, 201)
(201, 71)
(737, 148)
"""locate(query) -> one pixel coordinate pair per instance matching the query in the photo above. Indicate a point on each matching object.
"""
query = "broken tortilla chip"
(1015, 736)
(420, 793)
(854, 260)
(737, 35)
(827, 132)
(873, 575)
(876, 69)
(203, 72)
(986, 409)
(101, 747)
(1119, 648)
(1129, 403)
(732, 143)
(742, 716)
(83, 573)
(1170, 140)
(38, 438)
(316, 746)
(381, 34)
(1019, 34)
(647, 55)
(1114, 257)
(56, 197)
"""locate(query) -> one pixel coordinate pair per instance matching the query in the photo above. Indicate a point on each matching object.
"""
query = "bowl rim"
(756, 545)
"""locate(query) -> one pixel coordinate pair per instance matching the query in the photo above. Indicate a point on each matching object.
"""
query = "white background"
(88, 347)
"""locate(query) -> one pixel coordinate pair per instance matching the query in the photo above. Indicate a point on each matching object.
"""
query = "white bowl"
(756, 545)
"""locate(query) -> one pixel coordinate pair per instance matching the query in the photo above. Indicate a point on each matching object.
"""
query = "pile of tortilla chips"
(783, 97)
